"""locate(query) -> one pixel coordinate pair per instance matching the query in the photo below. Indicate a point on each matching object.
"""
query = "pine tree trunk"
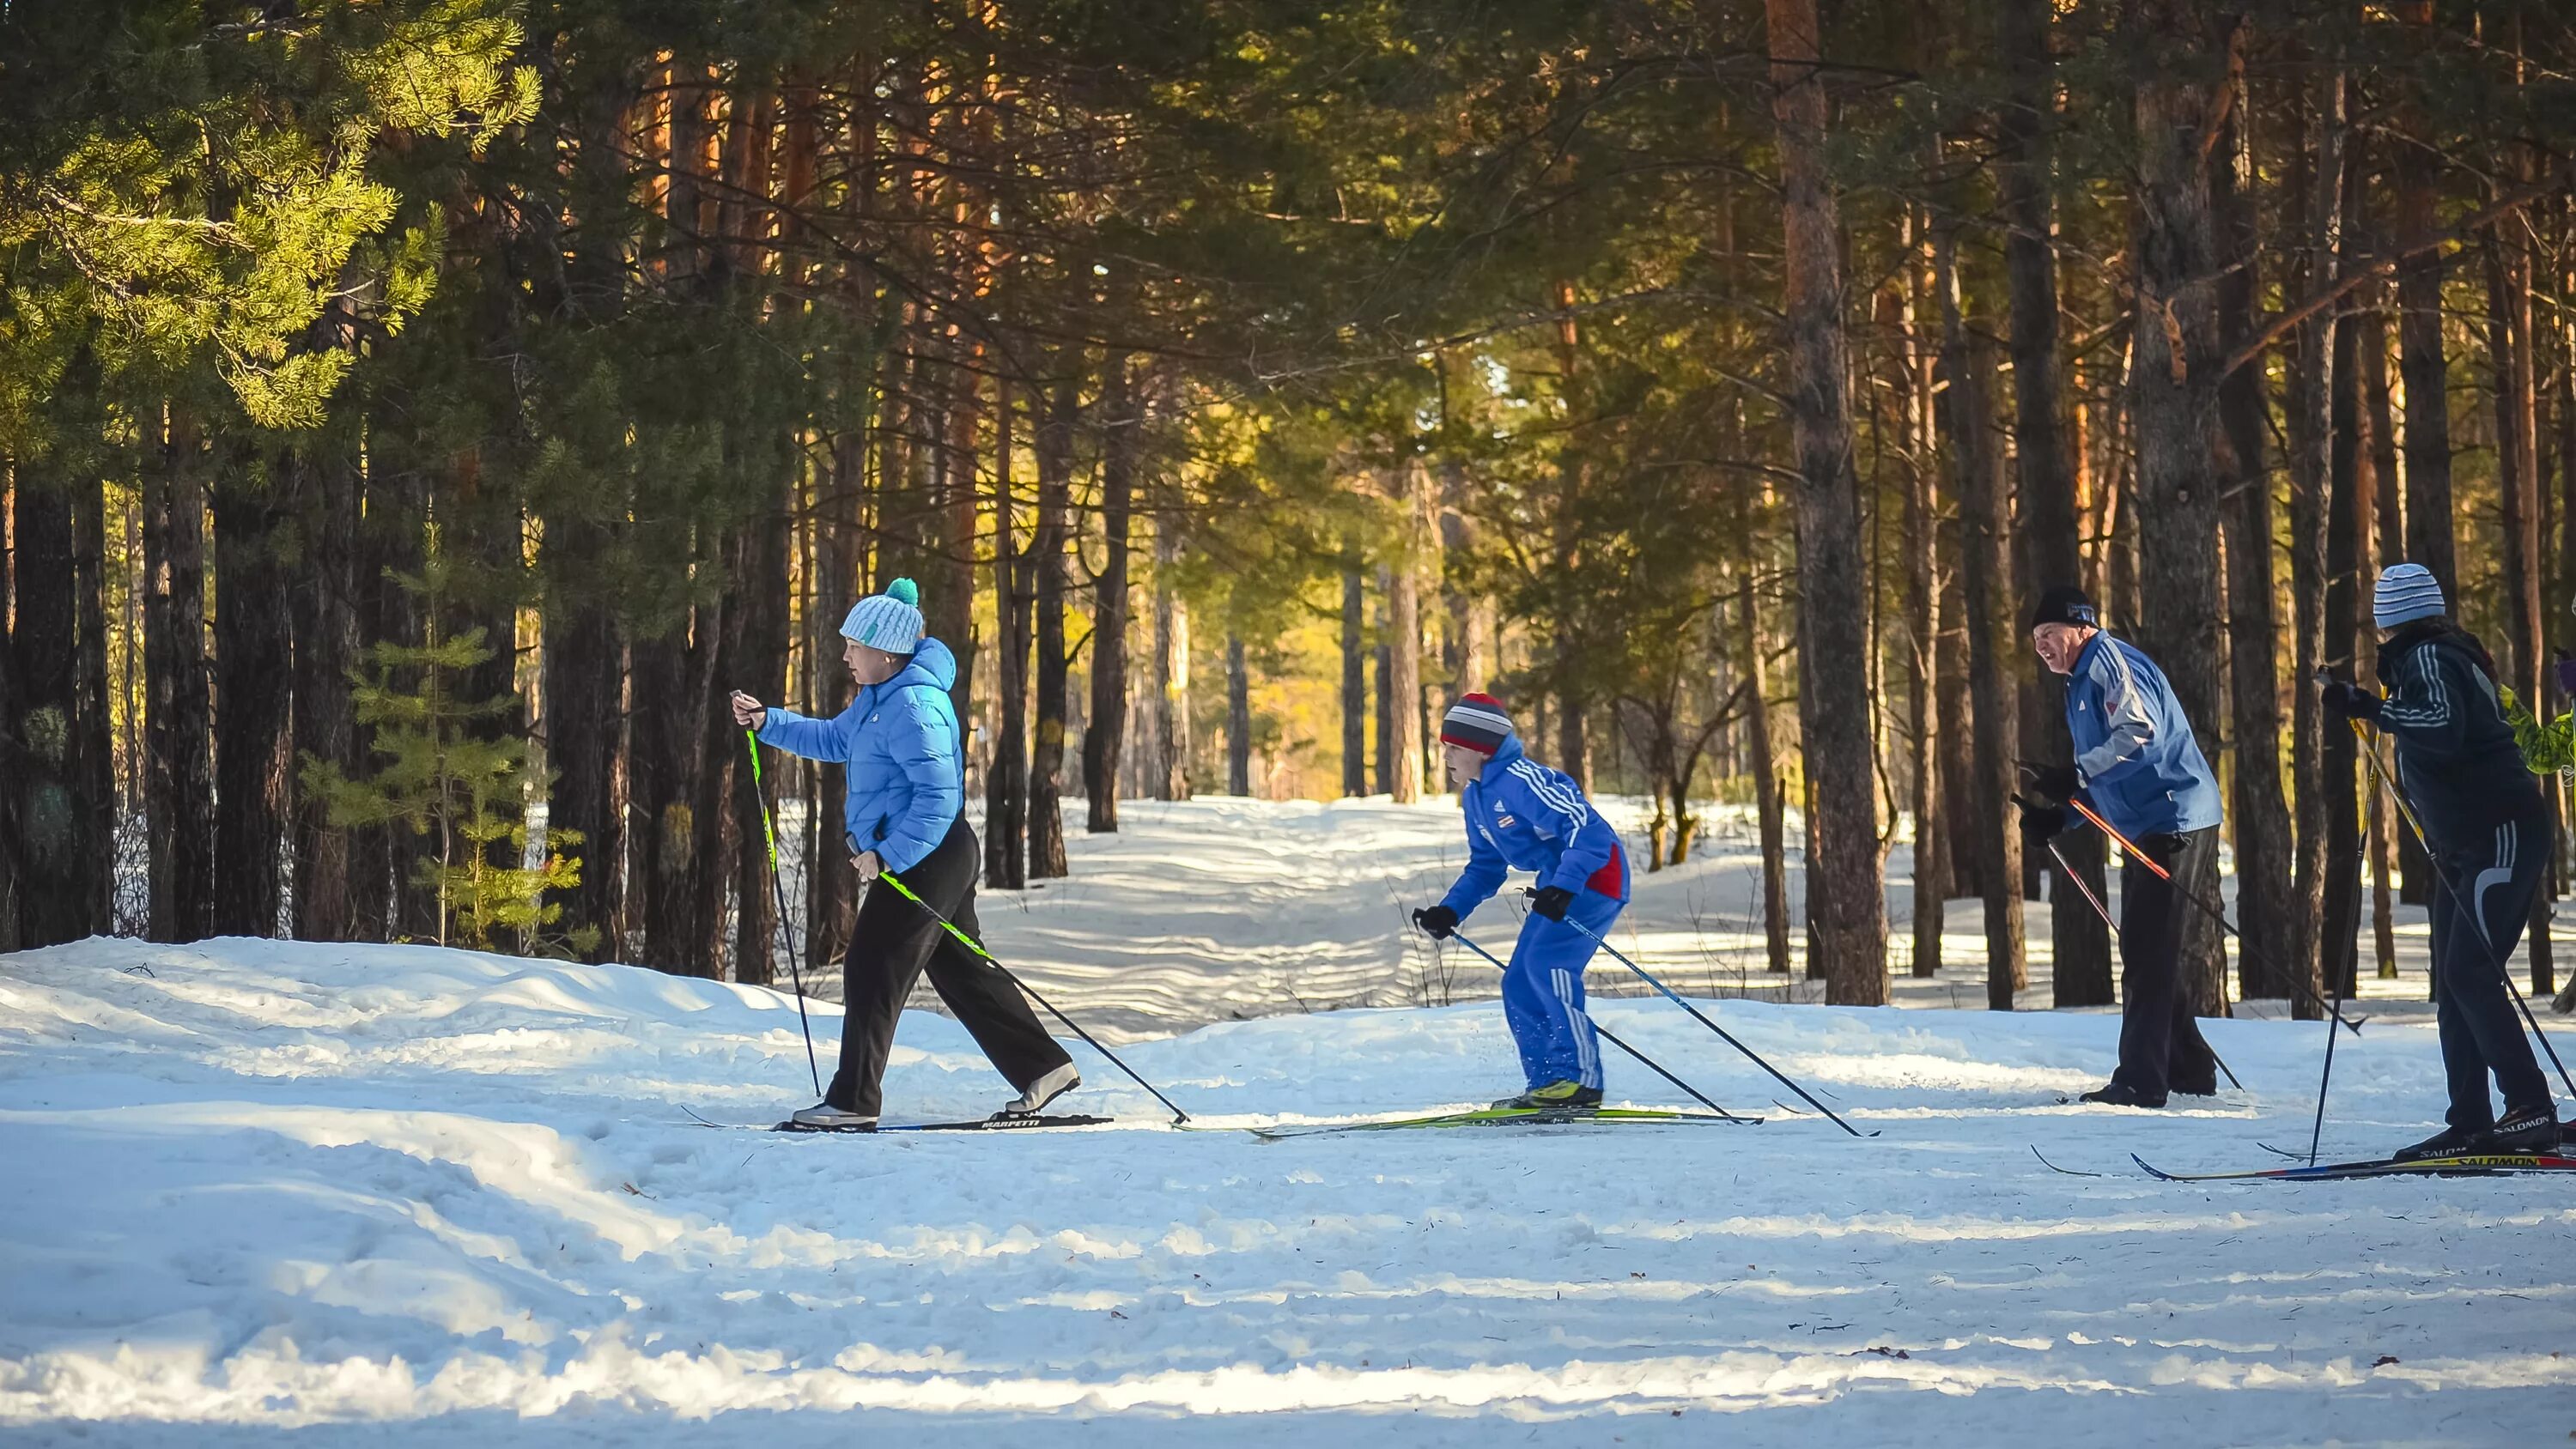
(93, 889)
(2266, 907)
(253, 696)
(12, 870)
(664, 839)
(54, 819)
(1238, 718)
(1354, 680)
(2347, 527)
(179, 785)
(1985, 527)
(2174, 385)
(2080, 945)
(1923, 612)
(1171, 772)
(1006, 779)
(1104, 738)
(762, 659)
(326, 613)
(1851, 929)
(2422, 362)
(715, 652)
(1382, 658)
(831, 891)
(1054, 536)
(2509, 330)
(1401, 741)
(1769, 810)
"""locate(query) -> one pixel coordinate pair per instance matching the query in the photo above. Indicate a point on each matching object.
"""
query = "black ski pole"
(795, 973)
(2104, 912)
(2211, 911)
(2352, 964)
(1677, 999)
(1643, 1059)
(2406, 811)
(971, 944)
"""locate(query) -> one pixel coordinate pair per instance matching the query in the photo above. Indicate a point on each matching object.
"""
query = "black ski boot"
(2521, 1129)
(2120, 1094)
(2449, 1142)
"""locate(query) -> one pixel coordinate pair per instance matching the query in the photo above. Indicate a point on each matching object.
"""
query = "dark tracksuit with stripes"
(2488, 837)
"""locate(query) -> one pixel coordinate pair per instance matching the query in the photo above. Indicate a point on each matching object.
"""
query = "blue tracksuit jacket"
(1521, 815)
(2134, 752)
(907, 777)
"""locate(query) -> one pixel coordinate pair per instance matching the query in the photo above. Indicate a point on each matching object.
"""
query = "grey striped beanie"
(2406, 592)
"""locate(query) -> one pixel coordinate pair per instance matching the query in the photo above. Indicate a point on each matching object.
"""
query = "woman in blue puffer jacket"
(907, 792)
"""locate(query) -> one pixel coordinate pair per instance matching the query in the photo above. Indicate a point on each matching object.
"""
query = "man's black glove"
(1551, 901)
(1437, 922)
(2041, 823)
(2057, 782)
(2346, 700)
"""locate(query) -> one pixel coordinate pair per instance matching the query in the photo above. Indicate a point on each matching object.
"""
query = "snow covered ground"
(260, 1192)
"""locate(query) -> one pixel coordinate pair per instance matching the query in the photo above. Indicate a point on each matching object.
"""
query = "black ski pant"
(2160, 1043)
(2488, 882)
(894, 940)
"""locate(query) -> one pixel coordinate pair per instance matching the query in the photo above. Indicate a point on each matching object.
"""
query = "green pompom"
(903, 589)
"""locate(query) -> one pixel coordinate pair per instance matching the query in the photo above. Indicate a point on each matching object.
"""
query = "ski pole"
(751, 742)
(971, 944)
(1643, 1059)
(2213, 912)
(1677, 999)
(2352, 963)
(2407, 812)
(2104, 912)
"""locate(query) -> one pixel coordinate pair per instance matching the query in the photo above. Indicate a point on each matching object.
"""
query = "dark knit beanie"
(2065, 604)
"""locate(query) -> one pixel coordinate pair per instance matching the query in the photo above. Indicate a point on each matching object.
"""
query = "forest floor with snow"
(273, 1193)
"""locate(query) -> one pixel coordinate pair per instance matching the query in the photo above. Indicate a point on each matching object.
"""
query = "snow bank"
(262, 1192)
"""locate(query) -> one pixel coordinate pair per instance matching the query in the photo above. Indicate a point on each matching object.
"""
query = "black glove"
(2057, 782)
(1551, 901)
(2041, 823)
(2346, 700)
(1437, 922)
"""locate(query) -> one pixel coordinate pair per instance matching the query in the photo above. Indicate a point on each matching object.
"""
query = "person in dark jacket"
(2488, 834)
(907, 793)
(2138, 766)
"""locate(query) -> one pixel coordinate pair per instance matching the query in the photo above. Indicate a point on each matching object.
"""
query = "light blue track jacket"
(900, 740)
(2134, 751)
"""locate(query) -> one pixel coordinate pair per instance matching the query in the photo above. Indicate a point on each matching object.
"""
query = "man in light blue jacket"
(907, 793)
(1521, 815)
(2138, 765)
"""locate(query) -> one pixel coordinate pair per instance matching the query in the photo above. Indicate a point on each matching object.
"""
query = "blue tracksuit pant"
(1543, 993)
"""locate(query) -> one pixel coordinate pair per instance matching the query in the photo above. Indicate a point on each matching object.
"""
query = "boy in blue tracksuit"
(2139, 767)
(1521, 815)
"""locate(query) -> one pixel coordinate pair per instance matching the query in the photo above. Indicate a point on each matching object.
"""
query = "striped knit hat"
(1476, 722)
(890, 621)
(2406, 592)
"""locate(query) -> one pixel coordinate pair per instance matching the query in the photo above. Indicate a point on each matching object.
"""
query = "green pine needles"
(449, 777)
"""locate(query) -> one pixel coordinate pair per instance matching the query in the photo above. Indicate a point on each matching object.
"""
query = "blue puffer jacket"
(899, 738)
(1521, 815)
(2134, 750)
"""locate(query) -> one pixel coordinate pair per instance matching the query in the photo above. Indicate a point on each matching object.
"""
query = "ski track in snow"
(273, 1193)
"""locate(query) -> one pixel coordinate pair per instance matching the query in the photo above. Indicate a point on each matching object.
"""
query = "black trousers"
(893, 942)
(2494, 875)
(2160, 1043)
